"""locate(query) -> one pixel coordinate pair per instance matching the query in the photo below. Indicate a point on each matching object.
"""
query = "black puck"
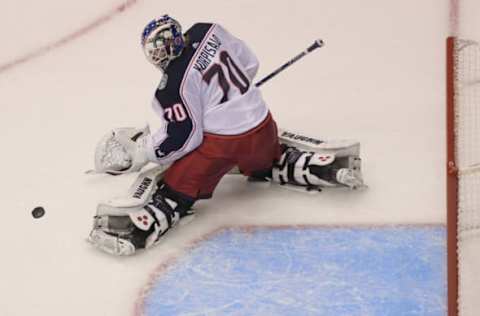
(38, 212)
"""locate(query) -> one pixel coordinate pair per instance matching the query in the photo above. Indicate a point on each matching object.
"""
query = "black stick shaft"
(318, 43)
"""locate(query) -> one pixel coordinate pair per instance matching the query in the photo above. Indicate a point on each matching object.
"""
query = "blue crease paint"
(308, 271)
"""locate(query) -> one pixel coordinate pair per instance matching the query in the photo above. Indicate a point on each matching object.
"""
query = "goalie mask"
(162, 41)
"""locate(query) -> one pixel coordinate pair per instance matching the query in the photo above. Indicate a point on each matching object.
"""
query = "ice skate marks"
(308, 271)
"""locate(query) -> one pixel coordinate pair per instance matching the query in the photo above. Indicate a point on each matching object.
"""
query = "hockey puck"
(38, 212)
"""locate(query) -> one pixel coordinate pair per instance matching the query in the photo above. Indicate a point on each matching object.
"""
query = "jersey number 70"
(236, 76)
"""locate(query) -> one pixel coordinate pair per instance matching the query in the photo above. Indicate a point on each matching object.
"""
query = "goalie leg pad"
(313, 163)
(301, 168)
(339, 147)
(313, 170)
(124, 225)
(141, 228)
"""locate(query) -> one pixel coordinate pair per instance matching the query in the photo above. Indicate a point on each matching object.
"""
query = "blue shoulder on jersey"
(176, 113)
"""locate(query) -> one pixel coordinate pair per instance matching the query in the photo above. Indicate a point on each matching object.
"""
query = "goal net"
(463, 176)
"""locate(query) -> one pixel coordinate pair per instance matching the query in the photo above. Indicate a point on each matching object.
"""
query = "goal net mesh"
(466, 86)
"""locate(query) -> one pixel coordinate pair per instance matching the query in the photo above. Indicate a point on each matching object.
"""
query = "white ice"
(379, 79)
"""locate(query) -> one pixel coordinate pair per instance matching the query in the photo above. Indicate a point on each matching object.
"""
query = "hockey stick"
(317, 44)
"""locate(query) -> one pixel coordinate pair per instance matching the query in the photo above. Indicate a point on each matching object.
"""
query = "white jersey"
(208, 89)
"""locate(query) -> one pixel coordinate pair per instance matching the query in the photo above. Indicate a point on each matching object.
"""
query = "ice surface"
(307, 271)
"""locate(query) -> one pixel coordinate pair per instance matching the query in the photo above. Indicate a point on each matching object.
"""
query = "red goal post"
(452, 185)
(463, 176)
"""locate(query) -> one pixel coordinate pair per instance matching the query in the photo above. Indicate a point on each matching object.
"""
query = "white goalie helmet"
(162, 41)
(122, 150)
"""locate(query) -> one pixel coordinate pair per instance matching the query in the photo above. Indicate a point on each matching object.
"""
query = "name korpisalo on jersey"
(207, 53)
